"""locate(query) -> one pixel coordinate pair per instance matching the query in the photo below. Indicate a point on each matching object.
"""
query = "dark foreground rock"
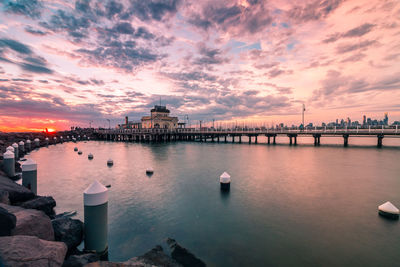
(80, 260)
(69, 231)
(16, 192)
(31, 251)
(4, 197)
(183, 256)
(45, 204)
(155, 257)
(7, 222)
(31, 222)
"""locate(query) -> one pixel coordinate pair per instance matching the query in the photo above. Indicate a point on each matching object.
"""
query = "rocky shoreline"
(31, 234)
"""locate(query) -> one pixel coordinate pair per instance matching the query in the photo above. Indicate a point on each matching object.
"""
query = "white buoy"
(16, 154)
(46, 141)
(389, 210)
(28, 145)
(149, 171)
(110, 162)
(95, 201)
(79, 152)
(75, 149)
(9, 163)
(225, 181)
(90, 156)
(37, 142)
(29, 175)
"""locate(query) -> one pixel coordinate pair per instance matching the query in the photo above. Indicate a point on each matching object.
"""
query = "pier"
(221, 135)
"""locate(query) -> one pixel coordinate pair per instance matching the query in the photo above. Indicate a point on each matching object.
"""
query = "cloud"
(349, 47)
(29, 8)
(15, 45)
(152, 9)
(33, 31)
(27, 59)
(209, 56)
(234, 19)
(315, 10)
(355, 32)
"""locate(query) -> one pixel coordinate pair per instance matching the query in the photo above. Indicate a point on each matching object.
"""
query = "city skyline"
(65, 63)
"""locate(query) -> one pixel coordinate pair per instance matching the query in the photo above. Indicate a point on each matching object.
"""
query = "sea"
(287, 205)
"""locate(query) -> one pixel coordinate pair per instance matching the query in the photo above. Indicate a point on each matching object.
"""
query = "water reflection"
(319, 203)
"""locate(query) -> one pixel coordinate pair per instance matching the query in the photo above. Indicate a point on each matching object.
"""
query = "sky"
(81, 63)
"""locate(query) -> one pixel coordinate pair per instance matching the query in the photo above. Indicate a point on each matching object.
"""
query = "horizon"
(75, 63)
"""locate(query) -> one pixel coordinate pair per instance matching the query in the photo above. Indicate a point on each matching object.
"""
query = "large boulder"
(31, 251)
(45, 204)
(183, 256)
(16, 192)
(31, 222)
(69, 231)
(7, 222)
(80, 260)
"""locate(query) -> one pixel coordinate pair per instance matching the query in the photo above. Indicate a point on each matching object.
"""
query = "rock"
(155, 257)
(16, 192)
(31, 251)
(183, 256)
(31, 222)
(80, 260)
(45, 204)
(4, 197)
(7, 222)
(69, 231)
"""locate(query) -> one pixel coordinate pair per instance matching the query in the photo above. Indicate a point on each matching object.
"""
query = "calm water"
(288, 206)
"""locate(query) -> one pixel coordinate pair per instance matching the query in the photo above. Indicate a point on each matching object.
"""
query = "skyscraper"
(386, 119)
(364, 120)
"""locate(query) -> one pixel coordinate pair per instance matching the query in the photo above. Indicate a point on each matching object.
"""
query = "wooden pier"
(221, 135)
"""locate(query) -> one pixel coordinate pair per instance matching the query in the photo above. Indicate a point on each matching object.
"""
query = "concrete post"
(28, 146)
(29, 175)
(55, 140)
(46, 141)
(9, 163)
(95, 201)
(61, 139)
(21, 148)
(16, 154)
(10, 148)
(37, 142)
(290, 140)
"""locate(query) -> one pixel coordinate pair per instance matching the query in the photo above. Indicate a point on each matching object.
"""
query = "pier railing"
(306, 131)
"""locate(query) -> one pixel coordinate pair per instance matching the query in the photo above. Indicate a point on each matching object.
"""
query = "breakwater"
(32, 233)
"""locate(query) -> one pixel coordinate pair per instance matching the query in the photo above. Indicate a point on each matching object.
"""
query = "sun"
(51, 130)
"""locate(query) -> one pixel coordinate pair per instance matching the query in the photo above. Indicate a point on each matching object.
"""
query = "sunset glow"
(67, 63)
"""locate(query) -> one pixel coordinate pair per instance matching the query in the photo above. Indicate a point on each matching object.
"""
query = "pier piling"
(28, 146)
(9, 163)
(380, 139)
(95, 200)
(16, 154)
(29, 175)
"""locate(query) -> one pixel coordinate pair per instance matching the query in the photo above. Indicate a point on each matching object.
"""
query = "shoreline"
(38, 236)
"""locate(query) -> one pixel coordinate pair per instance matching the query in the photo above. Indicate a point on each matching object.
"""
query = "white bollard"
(61, 139)
(37, 142)
(10, 148)
(46, 141)
(95, 201)
(55, 140)
(9, 163)
(28, 145)
(29, 175)
(21, 148)
(225, 181)
(16, 154)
